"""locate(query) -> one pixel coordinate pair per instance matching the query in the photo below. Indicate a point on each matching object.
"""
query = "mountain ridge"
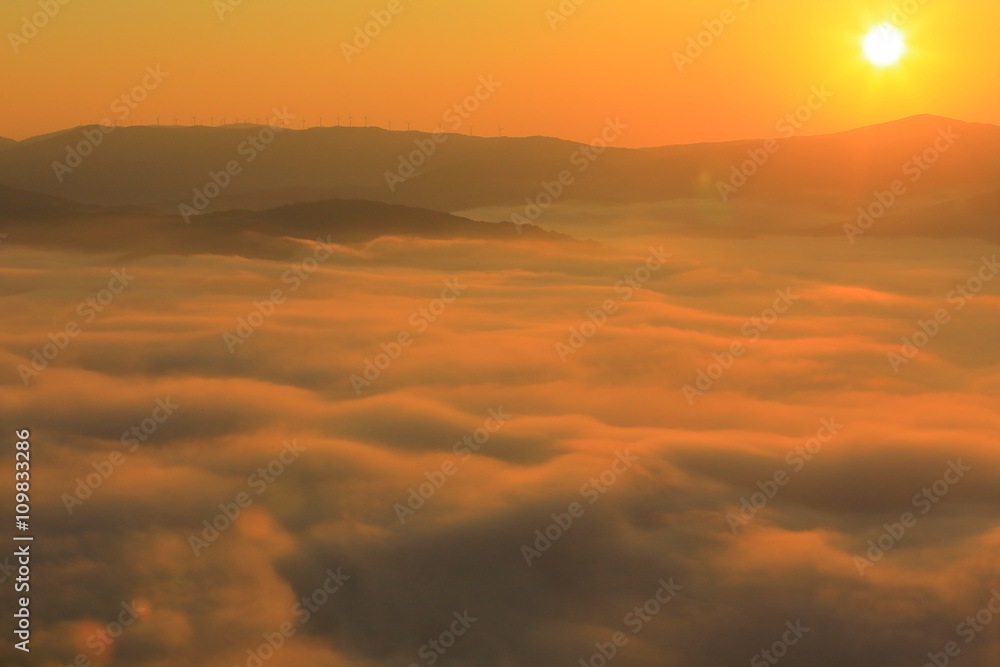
(165, 167)
(230, 126)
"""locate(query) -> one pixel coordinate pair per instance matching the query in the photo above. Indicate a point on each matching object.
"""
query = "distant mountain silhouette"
(21, 205)
(43, 220)
(6, 143)
(974, 217)
(351, 221)
(161, 167)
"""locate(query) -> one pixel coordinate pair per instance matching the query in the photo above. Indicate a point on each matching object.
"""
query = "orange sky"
(606, 59)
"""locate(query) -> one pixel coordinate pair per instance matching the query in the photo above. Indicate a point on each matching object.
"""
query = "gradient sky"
(607, 59)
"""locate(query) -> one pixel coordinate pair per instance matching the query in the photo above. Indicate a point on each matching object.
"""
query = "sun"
(884, 45)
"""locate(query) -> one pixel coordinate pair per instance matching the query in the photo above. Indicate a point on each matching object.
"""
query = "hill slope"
(164, 167)
(46, 221)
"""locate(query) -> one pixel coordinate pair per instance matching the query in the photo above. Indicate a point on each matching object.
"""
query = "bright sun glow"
(884, 45)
